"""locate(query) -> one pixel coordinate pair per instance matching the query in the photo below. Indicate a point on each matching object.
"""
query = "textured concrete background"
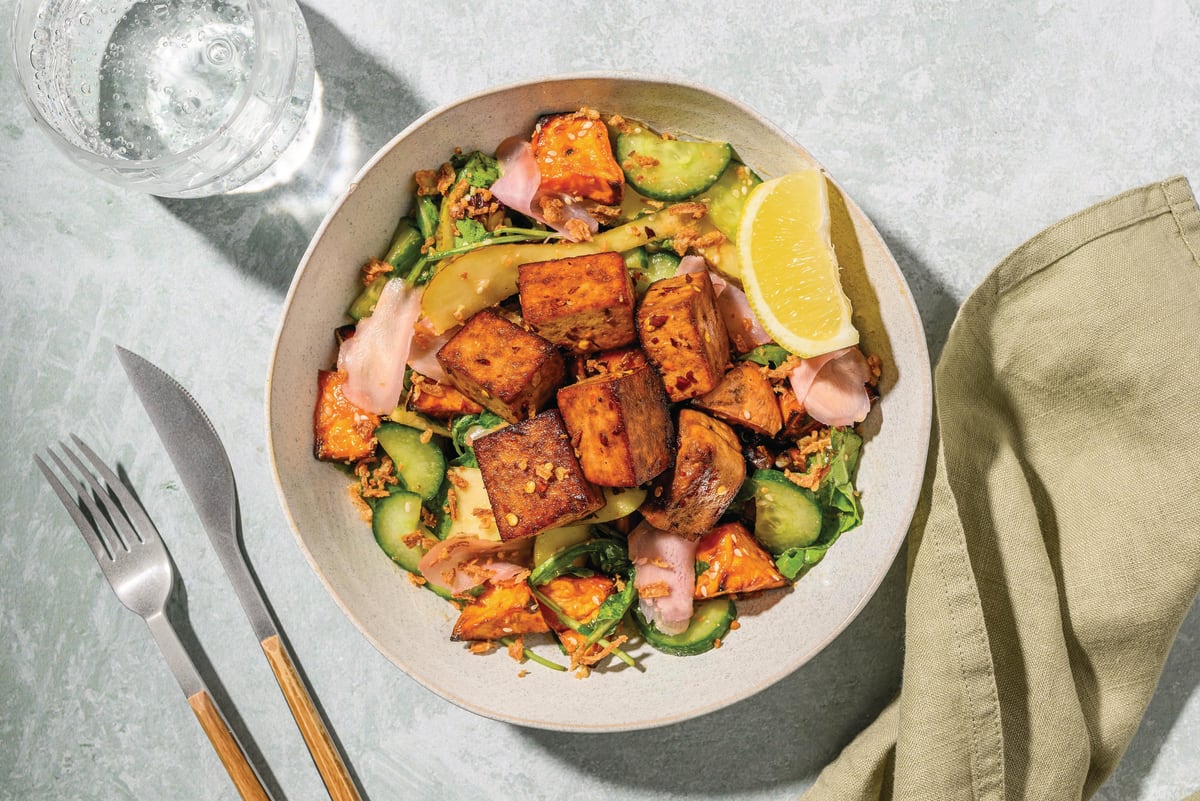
(961, 128)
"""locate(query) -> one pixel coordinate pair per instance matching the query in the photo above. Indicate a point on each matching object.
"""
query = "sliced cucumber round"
(727, 196)
(785, 515)
(670, 169)
(393, 519)
(710, 622)
(420, 465)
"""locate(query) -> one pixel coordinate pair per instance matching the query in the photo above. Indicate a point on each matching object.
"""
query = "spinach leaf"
(769, 355)
(468, 424)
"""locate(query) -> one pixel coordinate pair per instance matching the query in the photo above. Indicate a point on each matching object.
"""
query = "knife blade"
(203, 466)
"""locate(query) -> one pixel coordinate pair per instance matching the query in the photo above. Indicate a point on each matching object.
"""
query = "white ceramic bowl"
(411, 626)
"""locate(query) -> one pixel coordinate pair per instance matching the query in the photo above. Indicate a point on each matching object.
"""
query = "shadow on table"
(780, 736)
(1180, 678)
(358, 105)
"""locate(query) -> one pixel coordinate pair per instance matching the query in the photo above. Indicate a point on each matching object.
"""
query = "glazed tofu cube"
(584, 304)
(502, 367)
(620, 426)
(684, 335)
(439, 401)
(574, 157)
(342, 431)
(532, 477)
(618, 361)
(709, 469)
(745, 398)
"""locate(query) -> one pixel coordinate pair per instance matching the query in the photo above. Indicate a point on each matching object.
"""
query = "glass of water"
(178, 98)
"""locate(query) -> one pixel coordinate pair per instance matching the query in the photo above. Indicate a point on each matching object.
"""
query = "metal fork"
(135, 561)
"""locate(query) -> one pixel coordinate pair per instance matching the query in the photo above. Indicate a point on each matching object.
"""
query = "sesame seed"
(511, 519)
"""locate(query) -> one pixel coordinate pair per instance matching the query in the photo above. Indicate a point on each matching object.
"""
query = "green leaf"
(468, 425)
(470, 232)
(701, 567)
(837, 494)
(610, 613)
(479, 169)
(769, 355)
(608, 555)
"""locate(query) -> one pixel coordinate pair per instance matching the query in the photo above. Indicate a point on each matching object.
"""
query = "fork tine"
(143, 526)
(100, 549)
(103, 501)
(103, 517)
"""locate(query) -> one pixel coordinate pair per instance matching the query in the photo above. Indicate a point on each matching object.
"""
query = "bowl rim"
(923, 434)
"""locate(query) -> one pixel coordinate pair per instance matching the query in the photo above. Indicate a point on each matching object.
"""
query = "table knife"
(203, 466)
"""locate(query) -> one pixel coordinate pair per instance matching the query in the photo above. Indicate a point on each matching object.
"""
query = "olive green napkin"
(1057, 546)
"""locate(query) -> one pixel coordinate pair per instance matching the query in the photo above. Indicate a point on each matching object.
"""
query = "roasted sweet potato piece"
(579, 597)
(532, 477)
(709, 469)
(735, 563)
(795, 422)
(745, 398)
(501, 366)
(620, 426)
(584, 304)
(575, 157)
(342, 431)
(683, 334)
(439, 401)
(499, 611)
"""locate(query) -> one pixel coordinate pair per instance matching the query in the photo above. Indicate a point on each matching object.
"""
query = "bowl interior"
(411, 626)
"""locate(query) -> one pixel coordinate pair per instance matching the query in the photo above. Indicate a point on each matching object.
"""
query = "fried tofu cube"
(574, 157)
(583, 304)
(684, 335)
(439, 401)
(619, 360)
(342, 431)
(501, 366)
(745, 398)
(501, 610)
(689, 499)
(733, 561)
(532, 478)
(620, 425)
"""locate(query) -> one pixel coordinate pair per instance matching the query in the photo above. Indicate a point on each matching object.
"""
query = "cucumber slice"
(420, 465)
(785, 515)
(646, 268)
(670, 169)
(406, 247)
(364, 304)
(710, 622)
(393, 519)
(727, 196)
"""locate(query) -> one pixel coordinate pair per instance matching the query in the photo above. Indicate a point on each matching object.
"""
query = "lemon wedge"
(789, 269)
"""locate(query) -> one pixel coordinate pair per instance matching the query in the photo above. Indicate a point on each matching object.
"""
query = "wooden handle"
(227, 748)
(329, 762)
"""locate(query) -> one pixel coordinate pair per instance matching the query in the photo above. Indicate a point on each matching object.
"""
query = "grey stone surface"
(961, 128)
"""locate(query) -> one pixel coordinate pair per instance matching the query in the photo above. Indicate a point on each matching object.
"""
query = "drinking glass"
(178, 98)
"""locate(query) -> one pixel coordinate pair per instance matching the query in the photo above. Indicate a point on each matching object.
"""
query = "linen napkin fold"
(1056, 549)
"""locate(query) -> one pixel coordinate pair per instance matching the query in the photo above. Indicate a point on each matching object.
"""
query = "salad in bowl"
(560, 411)
(467, 290)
